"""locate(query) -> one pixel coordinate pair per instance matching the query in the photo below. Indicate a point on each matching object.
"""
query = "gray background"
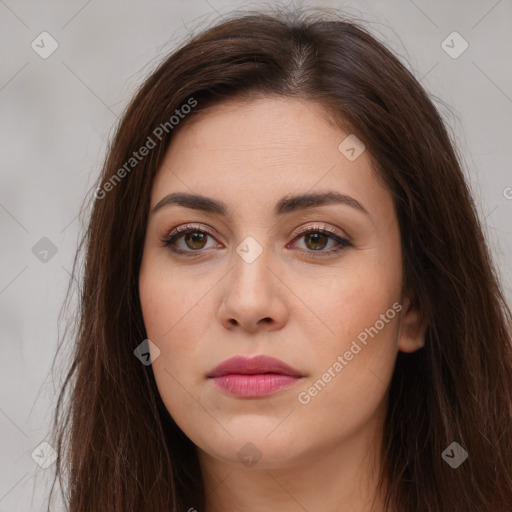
(57, 115)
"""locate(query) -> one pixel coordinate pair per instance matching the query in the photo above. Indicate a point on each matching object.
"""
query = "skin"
(306, 311)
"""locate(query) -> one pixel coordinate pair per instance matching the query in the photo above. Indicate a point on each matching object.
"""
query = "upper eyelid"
(182, 229)
(324, 227)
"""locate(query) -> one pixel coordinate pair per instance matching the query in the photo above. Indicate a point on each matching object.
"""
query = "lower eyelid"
(340, 246)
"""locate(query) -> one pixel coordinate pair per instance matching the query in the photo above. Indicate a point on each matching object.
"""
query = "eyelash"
(177, 233)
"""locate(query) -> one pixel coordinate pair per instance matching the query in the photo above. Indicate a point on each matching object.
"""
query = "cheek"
(171, 309)
(168, 298)
(173, 322)
(353, 371)
(344, 304)
(355, 355)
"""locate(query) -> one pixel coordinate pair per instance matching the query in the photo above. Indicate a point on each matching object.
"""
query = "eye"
(315, 239)
(194, 239)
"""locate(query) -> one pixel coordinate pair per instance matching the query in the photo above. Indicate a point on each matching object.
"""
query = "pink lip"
(254, 377)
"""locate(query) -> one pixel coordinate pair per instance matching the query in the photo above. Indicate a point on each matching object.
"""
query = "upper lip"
(254, 365)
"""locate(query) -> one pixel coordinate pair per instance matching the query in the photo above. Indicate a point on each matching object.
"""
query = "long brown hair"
(119, 449)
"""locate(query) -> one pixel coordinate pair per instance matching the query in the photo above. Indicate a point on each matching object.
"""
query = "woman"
(287, 301)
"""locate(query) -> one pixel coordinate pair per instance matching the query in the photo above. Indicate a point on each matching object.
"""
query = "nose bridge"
(252, 295)
(249, 293)
(251, 261)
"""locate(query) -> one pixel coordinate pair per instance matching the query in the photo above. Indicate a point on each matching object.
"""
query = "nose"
(254, 297)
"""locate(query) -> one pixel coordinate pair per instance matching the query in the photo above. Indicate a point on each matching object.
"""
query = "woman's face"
(249, 280)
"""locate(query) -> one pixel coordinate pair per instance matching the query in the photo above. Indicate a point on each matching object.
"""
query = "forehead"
(268, 146)
(270, 124)
(272, 136)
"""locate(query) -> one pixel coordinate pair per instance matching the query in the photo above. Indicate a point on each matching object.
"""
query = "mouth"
(254, 377)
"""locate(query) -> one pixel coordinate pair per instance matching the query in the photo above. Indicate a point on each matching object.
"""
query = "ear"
(413, 326)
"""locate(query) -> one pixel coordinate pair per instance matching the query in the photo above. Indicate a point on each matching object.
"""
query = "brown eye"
(317, 241)
(187, 240)
(195, 239)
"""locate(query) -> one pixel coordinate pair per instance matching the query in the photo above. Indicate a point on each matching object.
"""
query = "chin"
(251, 450)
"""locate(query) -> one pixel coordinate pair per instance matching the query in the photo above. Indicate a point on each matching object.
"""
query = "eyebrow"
(285, 205)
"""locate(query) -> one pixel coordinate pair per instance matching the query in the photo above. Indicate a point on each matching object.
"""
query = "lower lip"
(254, 386)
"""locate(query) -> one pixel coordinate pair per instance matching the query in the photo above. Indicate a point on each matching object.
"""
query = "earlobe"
(413, 327)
